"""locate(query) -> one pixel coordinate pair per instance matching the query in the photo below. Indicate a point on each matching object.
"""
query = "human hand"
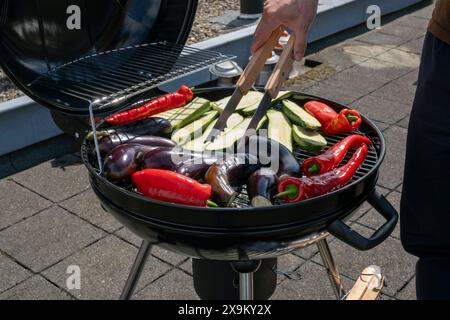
(297, 15)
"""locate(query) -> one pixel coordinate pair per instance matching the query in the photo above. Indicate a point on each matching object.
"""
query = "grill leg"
(246, 269)
(333, 272)
(136, 270)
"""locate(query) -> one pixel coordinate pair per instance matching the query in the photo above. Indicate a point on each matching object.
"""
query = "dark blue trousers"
(425, 205)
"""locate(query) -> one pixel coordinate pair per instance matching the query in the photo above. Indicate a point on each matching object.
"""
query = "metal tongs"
(248, 78)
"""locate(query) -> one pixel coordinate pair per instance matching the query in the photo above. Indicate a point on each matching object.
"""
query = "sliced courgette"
(189, 113)
(299, 116)
(198, 144)
(279, 128)
(307, 139)
(250, 99)
(194, 129)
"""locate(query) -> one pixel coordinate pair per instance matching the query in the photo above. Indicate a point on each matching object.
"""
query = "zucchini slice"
(194, 129)
(279, 128)
(308, 140)
(299, 116)
(250, 99)
(198, 144)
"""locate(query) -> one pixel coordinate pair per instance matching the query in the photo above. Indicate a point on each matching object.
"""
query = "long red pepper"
(332, 122)
(332, 157)
(173, 187)
(163, 103)
(296, 189)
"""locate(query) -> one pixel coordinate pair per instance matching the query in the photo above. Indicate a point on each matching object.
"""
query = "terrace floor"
(50, 219)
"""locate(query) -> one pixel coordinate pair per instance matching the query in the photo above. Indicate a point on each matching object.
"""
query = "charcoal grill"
(122, 53)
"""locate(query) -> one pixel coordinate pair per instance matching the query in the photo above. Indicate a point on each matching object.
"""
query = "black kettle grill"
(87, 59)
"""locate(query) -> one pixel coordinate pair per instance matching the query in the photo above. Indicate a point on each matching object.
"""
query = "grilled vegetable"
(197, 109)
(307, 139)
(198, 144)
(155, 106)
(281, 96)
(123, 161)
(250, 99)
(332, 122)
(194, 129)
(331, 158)
(296, 189)
(261, 187)
(264, 149)
(299, 116)
(227, 139)
(280, 128)
(226, 175)
(173, 187)
(108, 140)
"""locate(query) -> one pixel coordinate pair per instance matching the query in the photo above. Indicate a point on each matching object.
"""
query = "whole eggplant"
(264, 147)
(226, 175)
(261, 187)
(188, 163)
(123, 161)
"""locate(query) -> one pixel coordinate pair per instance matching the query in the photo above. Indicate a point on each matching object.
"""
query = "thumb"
(262, 34)
(301, 41)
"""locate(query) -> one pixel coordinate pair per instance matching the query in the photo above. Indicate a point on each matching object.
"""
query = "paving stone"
(87, 206)
(378, 38)
(365, 49)
(396, 265)
(424, 12)
(35, 288)
(44, 239)
(18, 203)
(56, 180)
(381, 109)
(401, 90)
(366, 206)
(404, 123)
(314, 285)
(307, 252)
(161, 253)
(339, 94)
(187, 266)
(105, 266)
(408, 292)
(391, 170)
(401, 58)
(404, 32)
(414, 46)
(381, 125)
(411, 21)
(374, 220)
(11, 273)
(176, 285)
(298, 83)
(337, 57)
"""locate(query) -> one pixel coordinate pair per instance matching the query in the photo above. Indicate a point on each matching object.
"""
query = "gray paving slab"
(187, 266)
(404, 32)
(397, 91)
(176, 285)
(425, 12)
(161, 253)
(396, 265)
(378, 38)
(42, 240)
(404, 123)
(18, 203)
(87, 206)
(366, 206)
(363, 49)
(373, 220)
(333, 92)
(11, 272)
(56, 180)
(35, 288)
(314, 285)
(408, 292)
(391, 170)
(337, 57)
(412, 21)
(409, 60)
(381, 109)
(104, 267)
(414, 46)
(381, 125)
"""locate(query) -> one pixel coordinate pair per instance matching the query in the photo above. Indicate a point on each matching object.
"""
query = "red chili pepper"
(166, 102)
(331, 158)
(170, 186)
(332, 122)
(292, 189)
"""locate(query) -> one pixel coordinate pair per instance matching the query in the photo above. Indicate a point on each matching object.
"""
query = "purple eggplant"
(261, 187)
(147, 127)
(225, 176)
(123, 161)
(286, 163)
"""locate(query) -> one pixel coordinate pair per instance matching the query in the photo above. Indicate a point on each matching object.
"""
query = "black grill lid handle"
(343, 232)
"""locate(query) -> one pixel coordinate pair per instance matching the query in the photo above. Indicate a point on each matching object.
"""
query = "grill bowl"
(240, 232)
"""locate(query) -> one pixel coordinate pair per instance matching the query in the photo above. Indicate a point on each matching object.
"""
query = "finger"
(262, 34)
(301, 41)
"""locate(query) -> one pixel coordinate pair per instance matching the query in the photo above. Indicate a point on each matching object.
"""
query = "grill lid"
(50, 45)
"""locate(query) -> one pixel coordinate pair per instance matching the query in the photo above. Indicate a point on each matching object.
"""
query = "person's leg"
(425, 204)
(433, 278)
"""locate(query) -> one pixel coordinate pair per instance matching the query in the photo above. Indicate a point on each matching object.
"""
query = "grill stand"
(333, 272)
(246, 269)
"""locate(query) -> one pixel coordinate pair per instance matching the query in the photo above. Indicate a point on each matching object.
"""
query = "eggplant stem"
(99, 134)
(211, 204)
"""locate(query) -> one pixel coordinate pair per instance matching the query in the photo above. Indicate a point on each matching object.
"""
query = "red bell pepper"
(332, 122)
(331, 158)
(173, 187)
(292, 189)
(163, 103)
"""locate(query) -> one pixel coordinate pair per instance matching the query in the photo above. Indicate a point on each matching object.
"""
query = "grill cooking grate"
(113, 76)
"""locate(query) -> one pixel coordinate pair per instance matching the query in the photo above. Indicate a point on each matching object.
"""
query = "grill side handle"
(344, 233)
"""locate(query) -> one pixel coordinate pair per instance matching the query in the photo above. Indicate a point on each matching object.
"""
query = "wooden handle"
(281, 71)
(254, 67)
